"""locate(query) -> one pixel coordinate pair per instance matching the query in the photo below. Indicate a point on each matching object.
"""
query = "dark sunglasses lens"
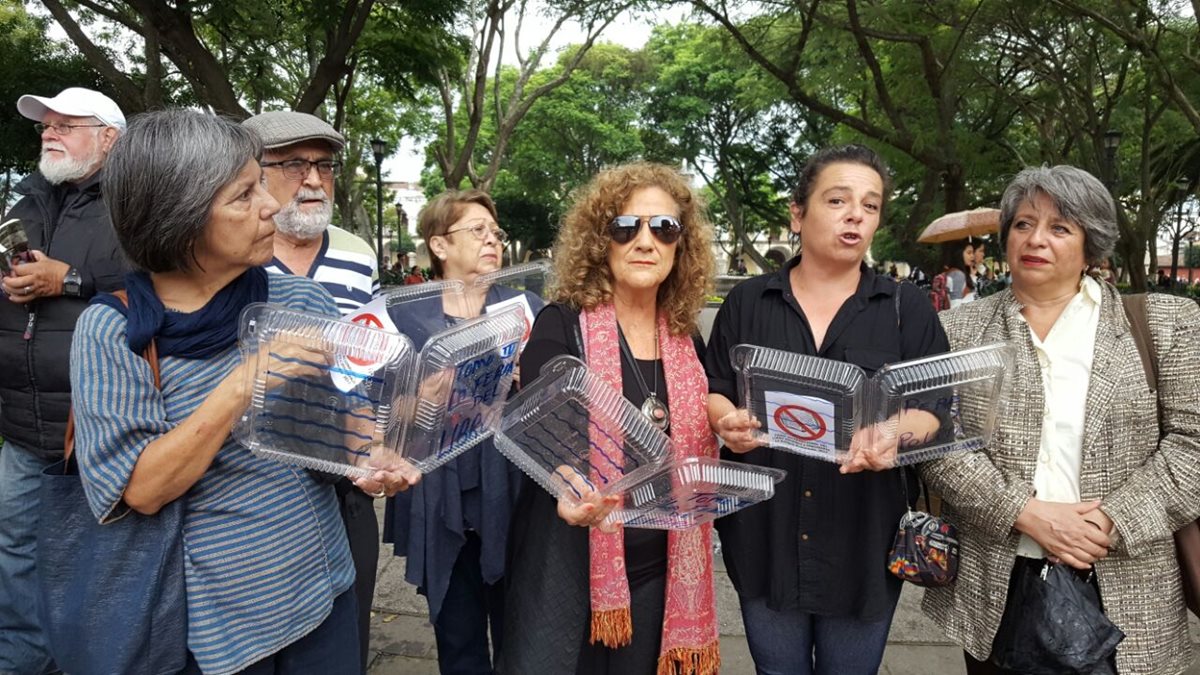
(666, 228)
(623, 229)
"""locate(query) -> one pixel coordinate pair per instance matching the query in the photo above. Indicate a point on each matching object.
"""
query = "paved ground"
(403, 644)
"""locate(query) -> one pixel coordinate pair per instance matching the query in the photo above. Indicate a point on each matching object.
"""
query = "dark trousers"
(329, 649)
(470, 606)
(362, 531)
(647, 602)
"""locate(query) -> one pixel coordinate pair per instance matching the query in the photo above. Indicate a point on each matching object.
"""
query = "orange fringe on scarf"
(612, 628)
(688, 661)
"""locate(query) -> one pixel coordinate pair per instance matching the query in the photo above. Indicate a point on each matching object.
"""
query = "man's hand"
(1065, 532)
(42, 278)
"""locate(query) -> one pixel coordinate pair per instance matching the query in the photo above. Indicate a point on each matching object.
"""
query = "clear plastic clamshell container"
(959, 390)
(322, 390)
(807, 405)
(521, 286)
(695, 490)
(569, 430)
(418, 310)
(458, 389)
(531, 277)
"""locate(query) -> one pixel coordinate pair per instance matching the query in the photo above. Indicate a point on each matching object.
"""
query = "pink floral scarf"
(690, 644)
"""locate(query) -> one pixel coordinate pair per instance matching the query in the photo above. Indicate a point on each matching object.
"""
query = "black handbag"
(1053, 624)
(112, 595)
(925, 550)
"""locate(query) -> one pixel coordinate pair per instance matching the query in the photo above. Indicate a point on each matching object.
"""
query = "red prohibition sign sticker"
(371, 321)
(800, 422)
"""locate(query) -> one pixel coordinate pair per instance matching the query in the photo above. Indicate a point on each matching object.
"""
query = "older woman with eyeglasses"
(454, 528)
(634, 262)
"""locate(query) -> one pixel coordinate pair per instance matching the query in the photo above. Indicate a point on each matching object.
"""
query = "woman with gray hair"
(268, 576)
(1094, 463)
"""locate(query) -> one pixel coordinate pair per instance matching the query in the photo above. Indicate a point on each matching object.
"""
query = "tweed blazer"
(1146, 474)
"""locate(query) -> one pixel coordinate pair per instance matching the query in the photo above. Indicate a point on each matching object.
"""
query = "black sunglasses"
(666, 229)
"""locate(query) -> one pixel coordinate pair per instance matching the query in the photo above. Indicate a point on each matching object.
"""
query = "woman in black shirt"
(809, 565)
(633, 263)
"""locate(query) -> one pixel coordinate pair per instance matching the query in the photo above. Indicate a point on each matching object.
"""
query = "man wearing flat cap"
(299, 164)
(74, 254)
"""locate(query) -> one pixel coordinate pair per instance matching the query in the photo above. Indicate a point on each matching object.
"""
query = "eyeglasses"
(623, 229)
(64, 129)
(297, 169)
(480, 230)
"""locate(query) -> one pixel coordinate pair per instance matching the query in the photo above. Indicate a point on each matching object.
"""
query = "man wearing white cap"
(75, 254)
(299, 164)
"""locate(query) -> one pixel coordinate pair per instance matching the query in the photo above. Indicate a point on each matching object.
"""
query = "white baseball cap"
(74, 102)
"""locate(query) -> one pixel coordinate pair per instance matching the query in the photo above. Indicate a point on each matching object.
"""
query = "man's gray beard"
(296, 223)
(66, 170)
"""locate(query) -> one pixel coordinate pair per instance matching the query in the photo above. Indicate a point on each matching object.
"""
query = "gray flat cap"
(285, 127)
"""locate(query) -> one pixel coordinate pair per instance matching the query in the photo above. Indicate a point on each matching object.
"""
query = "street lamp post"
(378, 147)
(1112, 141)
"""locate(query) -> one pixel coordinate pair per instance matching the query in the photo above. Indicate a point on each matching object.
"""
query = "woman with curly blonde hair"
(634, 262)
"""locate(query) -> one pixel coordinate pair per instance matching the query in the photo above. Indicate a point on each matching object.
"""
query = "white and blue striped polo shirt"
(264, 545)
(346, 266)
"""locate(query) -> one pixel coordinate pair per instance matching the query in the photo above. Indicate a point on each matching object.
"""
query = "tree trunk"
(1134, 243)
(737, 225)
(954, 188)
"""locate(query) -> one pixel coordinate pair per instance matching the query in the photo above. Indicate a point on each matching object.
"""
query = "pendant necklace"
(652, 407)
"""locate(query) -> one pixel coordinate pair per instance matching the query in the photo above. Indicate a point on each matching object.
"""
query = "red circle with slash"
(369, 320)
(788, 418)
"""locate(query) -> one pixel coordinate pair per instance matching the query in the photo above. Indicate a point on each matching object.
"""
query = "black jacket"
(69, 223)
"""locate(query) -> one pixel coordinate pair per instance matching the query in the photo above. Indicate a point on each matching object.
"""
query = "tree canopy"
(957, 95)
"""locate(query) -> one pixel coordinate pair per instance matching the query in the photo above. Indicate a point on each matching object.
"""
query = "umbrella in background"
(960, 225)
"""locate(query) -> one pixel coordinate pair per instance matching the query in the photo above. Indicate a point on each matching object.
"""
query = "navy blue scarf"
(201, 334)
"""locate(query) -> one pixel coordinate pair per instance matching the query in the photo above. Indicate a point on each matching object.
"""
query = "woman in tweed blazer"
(1128, 459)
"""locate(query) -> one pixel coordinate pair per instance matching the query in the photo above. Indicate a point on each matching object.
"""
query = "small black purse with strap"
(925, 550)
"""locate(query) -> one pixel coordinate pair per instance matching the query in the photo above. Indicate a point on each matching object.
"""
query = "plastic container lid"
(695, 490)
(961, 389)
(813, 406)
(531, 277)
(458, 390)
(807, 405)
(520, 285)
(321, 389)
(568, 427)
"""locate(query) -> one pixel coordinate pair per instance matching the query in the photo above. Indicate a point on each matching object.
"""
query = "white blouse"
(1065, 357)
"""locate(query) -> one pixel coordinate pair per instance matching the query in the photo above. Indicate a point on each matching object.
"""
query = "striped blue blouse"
(265, 549)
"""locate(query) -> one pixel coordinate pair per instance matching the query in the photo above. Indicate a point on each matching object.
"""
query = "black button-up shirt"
(821, 543)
